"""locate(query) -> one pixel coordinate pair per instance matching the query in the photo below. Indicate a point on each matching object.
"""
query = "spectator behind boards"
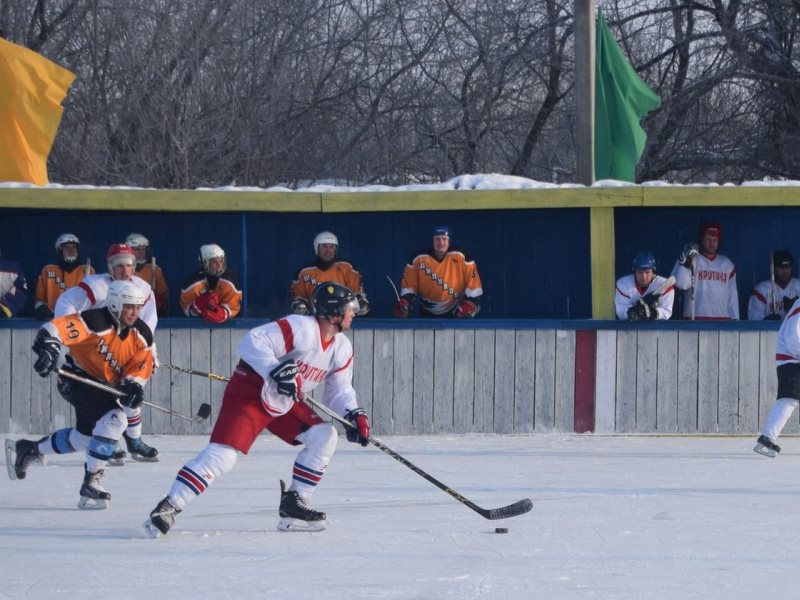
(643, 295)
(13, 287)
(772, 299)
(707, 278)
(212, 292)
(445, 278)
(56, 278)
(327, 266)
(147, 269)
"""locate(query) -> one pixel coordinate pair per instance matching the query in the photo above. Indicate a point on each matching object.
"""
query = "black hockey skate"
(296, 515)
(766, 447)
(93, 494)
(20, 455)
(139, 450)
(161, 518)
(117, 457)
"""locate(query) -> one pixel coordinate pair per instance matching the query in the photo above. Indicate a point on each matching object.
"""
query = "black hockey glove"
(689, 250)
(639, 312)
(773, 317)
(359, 433)
(287, 376)
(300, 307)
(788, 303)
(363, 304)
(47, 347)
(134, 393)
(43, 313)
(651, 300)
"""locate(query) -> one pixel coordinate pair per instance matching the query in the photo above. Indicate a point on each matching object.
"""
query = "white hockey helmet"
(121, 293)
(209, 252)
(137, 240)
(325, 237)
(67, 238)
(119, 254)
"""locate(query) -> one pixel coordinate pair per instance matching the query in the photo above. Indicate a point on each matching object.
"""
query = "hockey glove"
(773, 317)
(466, 309)
(788, 303)
(363, 304)
(214, 313)
(300, 307)
(287, 376)
(638, 312)
(134, 393)
(202, 301)
(652, 302)
(402, 309)
(47, 347)
(689, 250)
(359, 433)
(43, 313)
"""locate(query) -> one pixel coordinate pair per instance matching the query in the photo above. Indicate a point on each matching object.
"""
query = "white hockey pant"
(319, 444)
(779, 415)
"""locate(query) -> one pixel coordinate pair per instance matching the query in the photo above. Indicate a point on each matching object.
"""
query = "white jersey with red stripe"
(716, 296)
(299, 338)
(787, 349)
(92, 292)
(767, 299)
(628, 293)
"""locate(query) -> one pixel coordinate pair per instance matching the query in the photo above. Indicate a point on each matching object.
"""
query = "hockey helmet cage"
(442, 230)
(332, 300)
(121, 293)
(67, 238)
(325, 237)
(644, 261)
(709, 228)
(209, 252)
(119, 254)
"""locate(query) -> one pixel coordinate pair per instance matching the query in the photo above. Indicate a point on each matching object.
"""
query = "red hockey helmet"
(119, 254)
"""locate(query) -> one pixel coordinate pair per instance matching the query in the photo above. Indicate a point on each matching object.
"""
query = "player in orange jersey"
(56, 278)
(147, 269)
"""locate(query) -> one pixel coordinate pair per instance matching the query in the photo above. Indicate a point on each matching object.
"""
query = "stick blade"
(512, 510)
(204, 412)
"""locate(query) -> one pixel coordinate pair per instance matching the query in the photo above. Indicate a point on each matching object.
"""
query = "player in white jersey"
(279, 362)
(639, 296)
(92, 292)
(772, 299)
(707, 278)
(787, 359)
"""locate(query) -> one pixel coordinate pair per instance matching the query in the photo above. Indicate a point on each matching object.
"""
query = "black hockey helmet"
(331, 299)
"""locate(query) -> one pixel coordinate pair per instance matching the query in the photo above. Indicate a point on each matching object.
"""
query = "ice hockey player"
(787, 360)
(773, 298)
(56, 278)
(13, 288)
(639, 297)
(327, 266)
(708, 276)
(108, 345)
(147, 269)
(91, 293)
(213, 292)
(445, 279)
(281, 361)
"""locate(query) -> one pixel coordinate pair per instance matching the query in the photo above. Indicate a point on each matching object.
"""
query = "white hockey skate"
(296, 515)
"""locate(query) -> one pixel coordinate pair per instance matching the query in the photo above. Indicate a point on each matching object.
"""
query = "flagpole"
(584, 11)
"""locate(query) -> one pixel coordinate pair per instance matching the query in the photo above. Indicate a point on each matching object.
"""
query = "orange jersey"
(441, 284)
(158, 283)
(226, 288)
(339, 271)
(54, 281)
(96, 348)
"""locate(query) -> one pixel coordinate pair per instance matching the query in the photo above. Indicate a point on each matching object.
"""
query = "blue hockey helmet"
(644, 261)
(442, 230)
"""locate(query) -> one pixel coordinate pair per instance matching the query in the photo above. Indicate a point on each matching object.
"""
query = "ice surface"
(613, 518)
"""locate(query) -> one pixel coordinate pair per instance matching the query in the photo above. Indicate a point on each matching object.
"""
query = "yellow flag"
(31, 91)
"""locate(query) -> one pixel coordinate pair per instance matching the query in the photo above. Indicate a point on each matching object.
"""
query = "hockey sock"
(196, 475)
(134, 416)
(309, 466)
(779, 415)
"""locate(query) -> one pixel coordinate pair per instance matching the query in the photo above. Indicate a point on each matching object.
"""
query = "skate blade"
(92, 503)
(116, 462)
(764, 451)
(140, 458)
(151, 530)
(11, 458)
(287, 524)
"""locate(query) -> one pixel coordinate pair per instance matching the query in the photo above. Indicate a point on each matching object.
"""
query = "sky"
(613, 517)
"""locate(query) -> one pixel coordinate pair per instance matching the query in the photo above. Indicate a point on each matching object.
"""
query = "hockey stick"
(667, 283)
(504, 512)
(772, 281)
(213, 376)
(394, 287)
(692, 292)
(87, 268)
(203, 413)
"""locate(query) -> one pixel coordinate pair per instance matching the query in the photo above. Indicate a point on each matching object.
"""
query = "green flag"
(621, 100)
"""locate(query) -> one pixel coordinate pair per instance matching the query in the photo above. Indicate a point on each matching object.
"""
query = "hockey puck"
(501, 529)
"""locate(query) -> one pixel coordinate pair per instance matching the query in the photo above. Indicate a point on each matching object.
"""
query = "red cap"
(709, 228)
